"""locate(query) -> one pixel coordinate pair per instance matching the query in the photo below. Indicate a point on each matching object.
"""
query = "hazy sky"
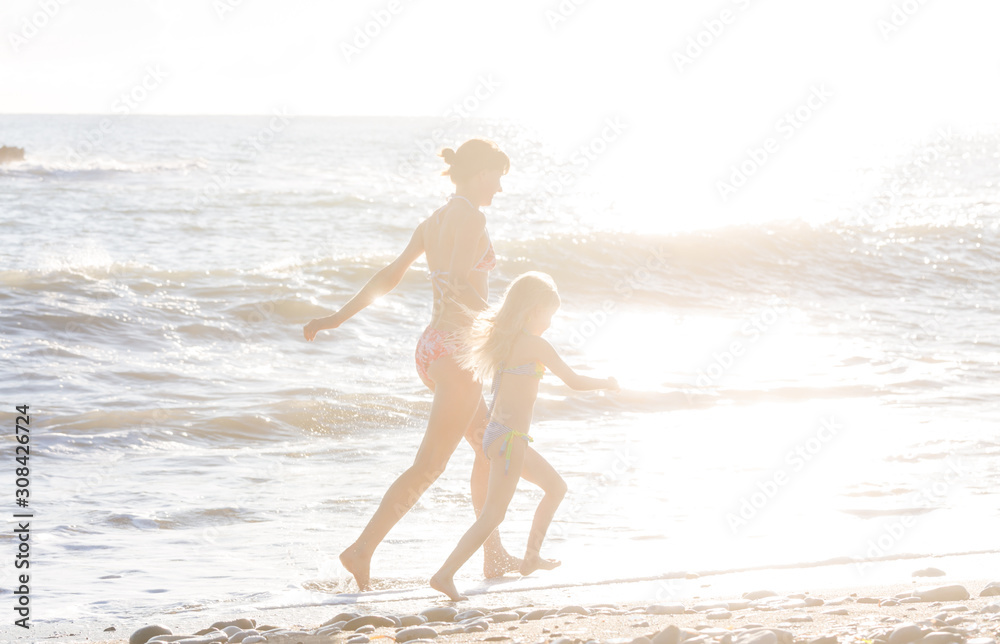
(864, 71)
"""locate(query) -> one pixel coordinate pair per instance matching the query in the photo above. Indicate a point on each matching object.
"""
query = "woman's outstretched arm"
(381, 283)
(548, 356)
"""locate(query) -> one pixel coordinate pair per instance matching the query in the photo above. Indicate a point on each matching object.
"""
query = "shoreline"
(619, 613)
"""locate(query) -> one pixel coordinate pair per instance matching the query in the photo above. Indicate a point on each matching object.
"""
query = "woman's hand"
(319, 324)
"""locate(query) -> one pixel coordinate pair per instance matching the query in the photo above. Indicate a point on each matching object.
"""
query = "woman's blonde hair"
(489, 340)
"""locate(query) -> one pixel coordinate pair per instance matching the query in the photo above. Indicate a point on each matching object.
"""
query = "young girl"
(505, 342)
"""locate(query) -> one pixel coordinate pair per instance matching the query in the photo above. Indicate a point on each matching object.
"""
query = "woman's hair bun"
(471, 157)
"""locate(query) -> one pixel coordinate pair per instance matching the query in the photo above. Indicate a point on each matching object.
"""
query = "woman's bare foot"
(497, 563)
(534, 561)
(357, 565)
(446, 585)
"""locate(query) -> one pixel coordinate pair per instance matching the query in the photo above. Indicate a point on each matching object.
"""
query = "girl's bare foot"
(498, 563)
(446, 585)
(357, 565)
(534, 561)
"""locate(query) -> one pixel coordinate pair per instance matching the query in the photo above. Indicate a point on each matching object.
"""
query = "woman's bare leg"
(544, 476)
(501, 489)
(456, 397)
(496, 560)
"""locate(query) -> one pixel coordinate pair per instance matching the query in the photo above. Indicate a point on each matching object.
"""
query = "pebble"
(376, 621)
(992, 589)
(708, 606)
(867, 600)
(942, 593)
(910, 600)
(242, 623)
(535, 615)
(418, 632)
(342, 617)
(991, 608)
(670, 635)
(955, 608)
(941, 637)
(145, 633)
(439, 614)
(357, 639)
(796, 619)
(452, 631)
(836, 611)
(417, 620)
(236, 638)
(476, 627)
(365, 630)
(981, 640)
(500, 618)
(641, 640)
(759, 594)
(824, 639)
(929, 572)
(666, 609)
(256, 639)
(577, 610)
(719, 614)
(757, 637)
(812, 602)
(461, 617)
(905, 633)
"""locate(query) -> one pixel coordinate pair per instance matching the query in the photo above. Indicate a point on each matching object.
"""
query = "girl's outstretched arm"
(381, 283)
(548, 356)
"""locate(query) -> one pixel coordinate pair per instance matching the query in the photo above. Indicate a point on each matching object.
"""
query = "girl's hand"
(613, 384)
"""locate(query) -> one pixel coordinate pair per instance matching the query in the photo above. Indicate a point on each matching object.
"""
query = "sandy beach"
(928, 608)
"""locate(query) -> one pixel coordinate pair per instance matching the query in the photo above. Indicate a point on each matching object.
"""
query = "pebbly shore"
(941, 614)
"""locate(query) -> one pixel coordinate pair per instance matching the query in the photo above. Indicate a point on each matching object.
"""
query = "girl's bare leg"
(496, 560)
(498, 496)
(544, 476)
(456, 397)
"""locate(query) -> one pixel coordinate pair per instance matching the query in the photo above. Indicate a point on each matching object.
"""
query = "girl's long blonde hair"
(489, 340)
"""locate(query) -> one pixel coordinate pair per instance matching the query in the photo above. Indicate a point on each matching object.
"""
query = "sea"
(797, 392)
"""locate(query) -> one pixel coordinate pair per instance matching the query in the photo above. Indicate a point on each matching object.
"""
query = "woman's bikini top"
(485, 264)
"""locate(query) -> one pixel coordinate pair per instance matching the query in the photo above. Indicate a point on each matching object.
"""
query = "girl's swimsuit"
(496, 429)
(434, 344)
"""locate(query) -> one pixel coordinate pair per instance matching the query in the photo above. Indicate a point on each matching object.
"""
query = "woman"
(459, 257)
